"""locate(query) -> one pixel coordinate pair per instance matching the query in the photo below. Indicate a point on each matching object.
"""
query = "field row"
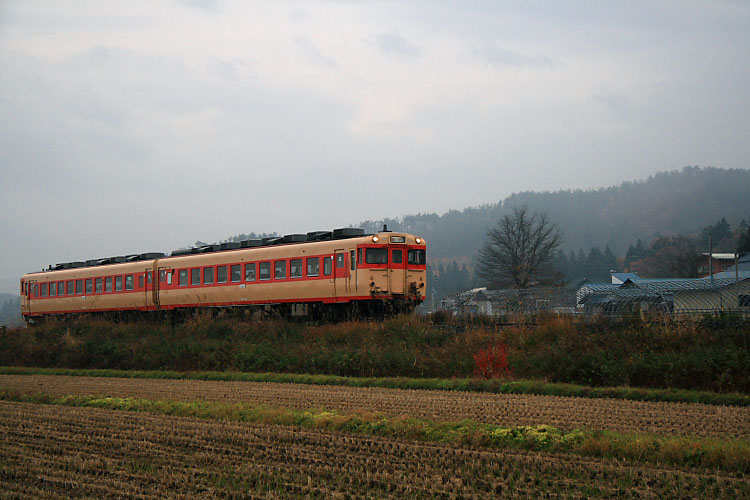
(500, 409)
(67, 452)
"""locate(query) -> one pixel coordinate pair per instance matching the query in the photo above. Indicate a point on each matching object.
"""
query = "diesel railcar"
(324, 273)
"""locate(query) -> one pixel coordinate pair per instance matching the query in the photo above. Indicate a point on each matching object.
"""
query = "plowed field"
(501, 409)
(66, 452)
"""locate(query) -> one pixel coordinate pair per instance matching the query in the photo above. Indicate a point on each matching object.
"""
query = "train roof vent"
(92, 262)
(77, 264)
(58, 267)
(294, 238)
(347, 232)
(132, 257)
(181, 251)
(250, 243)
(230, 245)
(319, 235)
(116, 260)
(152, 255)
(209, 248)
(271, 241)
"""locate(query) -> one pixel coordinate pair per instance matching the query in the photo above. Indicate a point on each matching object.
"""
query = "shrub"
(492, 362)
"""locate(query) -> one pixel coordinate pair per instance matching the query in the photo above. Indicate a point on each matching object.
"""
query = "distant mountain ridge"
(676, 202)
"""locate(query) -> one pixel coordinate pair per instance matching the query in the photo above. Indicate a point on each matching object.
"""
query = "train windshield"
(376, 256)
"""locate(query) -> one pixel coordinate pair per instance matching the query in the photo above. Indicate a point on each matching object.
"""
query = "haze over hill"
(676, 202)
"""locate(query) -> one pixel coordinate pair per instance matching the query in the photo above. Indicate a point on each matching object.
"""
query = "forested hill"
(677, 202)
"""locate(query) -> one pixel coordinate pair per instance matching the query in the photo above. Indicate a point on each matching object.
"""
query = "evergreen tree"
(743, 245)
(610, 261)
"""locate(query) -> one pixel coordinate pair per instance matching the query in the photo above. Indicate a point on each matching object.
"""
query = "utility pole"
(710, 258)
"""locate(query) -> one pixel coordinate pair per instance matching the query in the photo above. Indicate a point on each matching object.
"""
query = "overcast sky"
(143, 126)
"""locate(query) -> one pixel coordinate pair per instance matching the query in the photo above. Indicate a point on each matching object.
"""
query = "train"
(321, 274)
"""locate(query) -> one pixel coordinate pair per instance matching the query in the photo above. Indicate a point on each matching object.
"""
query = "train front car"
(394, 268)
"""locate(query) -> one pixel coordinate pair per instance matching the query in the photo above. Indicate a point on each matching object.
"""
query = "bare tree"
(520, 250)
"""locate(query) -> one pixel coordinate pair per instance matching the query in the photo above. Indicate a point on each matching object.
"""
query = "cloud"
(507, 57)
(396, 45)
(313, 54)
(204, 5)
(617, 103)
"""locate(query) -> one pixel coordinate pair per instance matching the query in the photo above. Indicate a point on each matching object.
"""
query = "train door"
(397, 270)
(148, 288)
(162, 279)
(29, 294)
(340, 274)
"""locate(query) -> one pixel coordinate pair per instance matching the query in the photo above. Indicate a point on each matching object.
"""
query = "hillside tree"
(671, 257)
(520, 250)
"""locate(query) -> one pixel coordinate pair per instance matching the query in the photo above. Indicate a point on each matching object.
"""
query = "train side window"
(327, 266)
(195, 276)
(53, 289)
(397, 256)
(313, 266)
(98, 285)
(250, 272)
(416, 257)
(221, 274)
(69, 287)
(129, 282)
(44, 289)
(182, 278)
(35, 290)
(149, 278)
(79, 287)
(295, 268)
(264, 269)
(340, 261)
(169, 277)
(351, 259)
(118, 283)
(359, 256)
(208, 275)
(89, 286)
(140, 281)
(60, 288)
(279, 270)
(236, 270)
(108, 284)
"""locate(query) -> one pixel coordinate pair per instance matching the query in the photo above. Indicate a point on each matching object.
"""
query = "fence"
(676, 297)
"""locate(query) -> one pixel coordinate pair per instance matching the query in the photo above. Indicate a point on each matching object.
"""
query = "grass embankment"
(496, 386)
(704, 355)
(732, 456)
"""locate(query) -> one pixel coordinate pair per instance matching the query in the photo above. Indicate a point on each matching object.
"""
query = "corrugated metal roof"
(600, 287)
(731, 275)
(677, 285)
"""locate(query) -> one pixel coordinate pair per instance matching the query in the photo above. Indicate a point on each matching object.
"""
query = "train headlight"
(418, 240)
(375, 239)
